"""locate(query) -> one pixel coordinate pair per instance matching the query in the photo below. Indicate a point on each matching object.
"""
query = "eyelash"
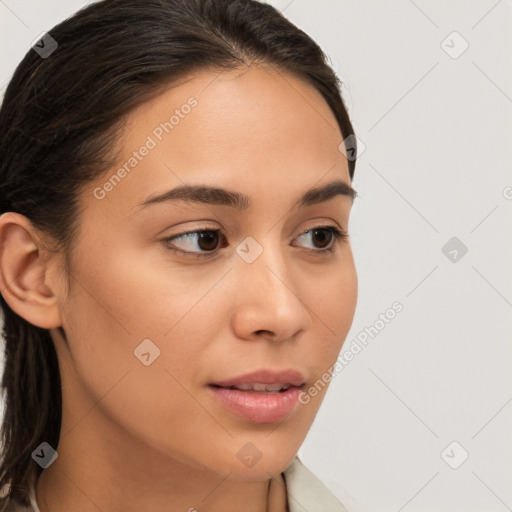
(339, 236)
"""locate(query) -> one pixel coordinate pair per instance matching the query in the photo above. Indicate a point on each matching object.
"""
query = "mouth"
(259, 397)
(259, 387)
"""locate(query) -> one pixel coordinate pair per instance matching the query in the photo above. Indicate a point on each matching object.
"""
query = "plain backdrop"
(420, 419)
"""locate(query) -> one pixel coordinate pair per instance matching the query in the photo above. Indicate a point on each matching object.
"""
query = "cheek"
(126, 301)
(129, 295)
(159, 403)
(331, 300)
(113, 310)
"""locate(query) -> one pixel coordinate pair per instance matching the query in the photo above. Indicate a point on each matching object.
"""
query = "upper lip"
(264, 376)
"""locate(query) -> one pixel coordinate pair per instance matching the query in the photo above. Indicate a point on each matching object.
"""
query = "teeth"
(261, 387)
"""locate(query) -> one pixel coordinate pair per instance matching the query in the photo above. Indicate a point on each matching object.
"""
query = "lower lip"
(256, 406)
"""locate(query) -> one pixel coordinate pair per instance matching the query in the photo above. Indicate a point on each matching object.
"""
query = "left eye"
(208, 240)
(325, 235)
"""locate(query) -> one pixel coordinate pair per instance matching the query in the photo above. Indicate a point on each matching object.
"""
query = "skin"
(138, 437)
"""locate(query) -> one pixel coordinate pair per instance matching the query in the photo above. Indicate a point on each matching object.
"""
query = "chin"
(261, 460)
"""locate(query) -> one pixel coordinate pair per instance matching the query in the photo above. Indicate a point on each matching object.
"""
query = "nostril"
(263, 331)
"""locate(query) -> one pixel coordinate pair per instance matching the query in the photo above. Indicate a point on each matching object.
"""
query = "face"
(171, 296)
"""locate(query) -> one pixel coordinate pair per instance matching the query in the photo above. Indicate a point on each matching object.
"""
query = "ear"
(24, 281)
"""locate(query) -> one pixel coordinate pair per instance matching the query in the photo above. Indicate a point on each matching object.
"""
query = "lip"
(265, 376)
(258, 406)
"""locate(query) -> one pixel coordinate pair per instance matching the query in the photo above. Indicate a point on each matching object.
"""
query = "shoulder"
(306, 493)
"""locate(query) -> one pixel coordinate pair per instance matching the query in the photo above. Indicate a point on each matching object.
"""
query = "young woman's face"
(155, 317)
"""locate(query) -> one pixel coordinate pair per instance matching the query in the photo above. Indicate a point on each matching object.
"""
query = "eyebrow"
(223, 197)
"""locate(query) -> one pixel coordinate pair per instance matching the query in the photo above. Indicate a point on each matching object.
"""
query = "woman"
(175, 266)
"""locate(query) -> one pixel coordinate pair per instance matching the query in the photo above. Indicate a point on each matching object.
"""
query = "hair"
(60, 120)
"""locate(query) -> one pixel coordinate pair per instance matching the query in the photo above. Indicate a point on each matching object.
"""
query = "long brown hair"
(59, 122)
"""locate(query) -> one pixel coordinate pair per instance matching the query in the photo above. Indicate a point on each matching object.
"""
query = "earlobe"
(23, 269)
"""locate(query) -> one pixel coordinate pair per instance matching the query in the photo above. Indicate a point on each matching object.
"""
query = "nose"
(268, 300)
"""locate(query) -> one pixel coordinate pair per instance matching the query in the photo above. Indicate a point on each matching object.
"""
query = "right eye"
(206, 240)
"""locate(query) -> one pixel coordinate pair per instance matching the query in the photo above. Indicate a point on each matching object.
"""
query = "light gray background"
(437, 165)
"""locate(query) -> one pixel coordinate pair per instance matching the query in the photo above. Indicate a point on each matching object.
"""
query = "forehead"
(256, 129)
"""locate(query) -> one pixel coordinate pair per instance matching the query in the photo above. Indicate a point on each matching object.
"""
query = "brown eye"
(195, 243)
(208, 240)
(323, 237)
(205, 243)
